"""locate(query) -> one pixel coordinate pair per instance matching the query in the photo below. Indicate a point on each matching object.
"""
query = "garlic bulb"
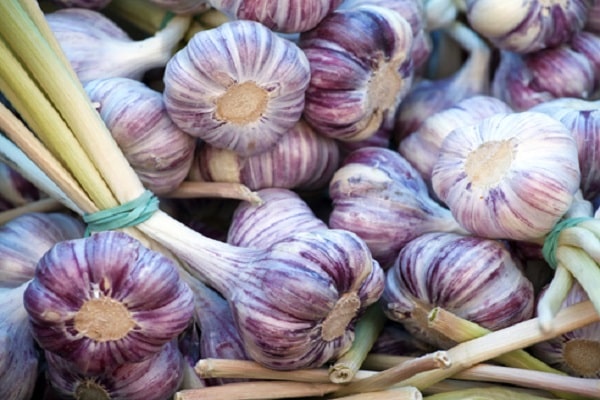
(522, 81)
(379, 196)
(15, 190)
(475, 278)
(281, 16)
(510, 176)
(395, 340)
(156, 378)
(18, 354)
(582, 118)
(106, 300)
(92, 4)
(576, 352)
(361, 69)
(422, 146)
(159, 152)
(527, 26)
(238, 86)
(592, 23)
(183, 6)
(98, 48)
(439, 13)
(263, 225)
(301, 160)
(25, 239)
(588, 45)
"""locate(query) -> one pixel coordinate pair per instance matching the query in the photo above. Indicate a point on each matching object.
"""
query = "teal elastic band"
(551, 241)
(127, 214)
(169, 15)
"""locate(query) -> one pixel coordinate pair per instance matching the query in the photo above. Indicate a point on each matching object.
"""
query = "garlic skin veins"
(527, 26)
(475, 278)
(239, 86)
(511, 176)
(159, 152)
(361, 69)
(19, 357)
(287, 16)
(106, 300)
(378, 195)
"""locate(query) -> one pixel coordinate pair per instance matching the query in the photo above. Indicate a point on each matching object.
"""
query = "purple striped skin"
(281, 214)
(361, 70)
(474, 278)
(525, 81)
(289, 16)
(156, 378)
(528, 26)
(301, 160)
(25, 239)
(379, 196)
(106, 265)
(236, 52)
(582, 118)
(592, 22)
(588, 44)
(160, 153)
(15, 188)
(281, 296)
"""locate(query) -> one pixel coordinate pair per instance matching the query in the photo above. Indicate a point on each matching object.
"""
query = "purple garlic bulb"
(422, 146)
(361, 69)
(379, 196)
(156, 378)
(522, 81)
(239, 87)
(511, 176)
(577, 352)
(98, 48)
(582, 118)
(159, 152)
(106, 300)
(301, 159)
(475, 278)
(289, 16)
(527, 26)
(262, 225)
(592, 23)
(15, 189)
(588, 45)
(25, 239)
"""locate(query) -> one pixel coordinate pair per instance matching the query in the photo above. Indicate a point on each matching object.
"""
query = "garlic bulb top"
(527, 26)
(106, 300)
(510, 176)
(478, 279)
(289, 16)
(159, 152)
(238, 86)
(361, 69)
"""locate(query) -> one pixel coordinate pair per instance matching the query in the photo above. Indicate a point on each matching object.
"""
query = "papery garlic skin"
(301, 159)
(106, 300)
(582, 118)
(159, 152)
(238, 86)
(475, 278)
(527, 26)
(379, 196)
(156, 378)
(511, 176)
(290, 16)
(15, 189)
(19, 357)
(361, 69)
(523, 81)
(592, 23)
(25, 239)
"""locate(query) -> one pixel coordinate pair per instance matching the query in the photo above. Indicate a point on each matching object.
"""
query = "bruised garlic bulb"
(510, 176)
(106, 300)
(478, 279)
(301, 159)
(238, 87)
(361, 69)
(527, 26)
(289, 16)
(159, 152)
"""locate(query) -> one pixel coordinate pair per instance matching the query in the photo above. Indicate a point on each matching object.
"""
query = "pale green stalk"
(584, 269)
(142, 14)
(551, 300)
(489, 393)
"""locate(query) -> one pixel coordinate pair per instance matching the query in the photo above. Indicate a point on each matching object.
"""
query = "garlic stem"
(550, 301)
(142, 14)
(490, 393)
(365, 334)
(258, 391)
(225, 190)
(42, 205)
(402, 393)
(477, 66)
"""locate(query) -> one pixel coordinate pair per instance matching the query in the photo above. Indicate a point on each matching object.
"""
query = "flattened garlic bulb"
(511, 176)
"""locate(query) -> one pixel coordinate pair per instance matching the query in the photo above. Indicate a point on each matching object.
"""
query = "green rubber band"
(127, 214)
(169, 15)
(551, 241)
